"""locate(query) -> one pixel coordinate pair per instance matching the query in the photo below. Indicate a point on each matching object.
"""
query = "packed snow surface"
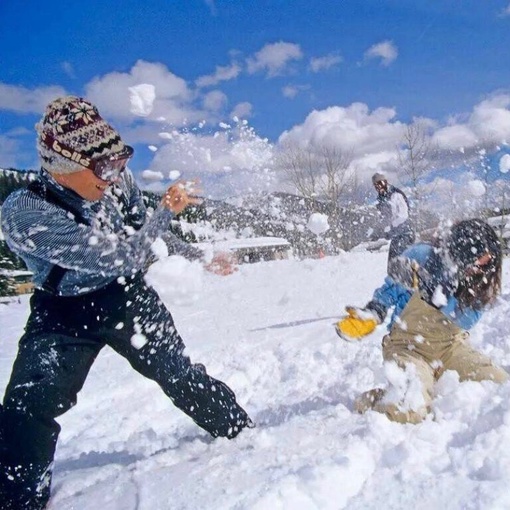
(267, 330)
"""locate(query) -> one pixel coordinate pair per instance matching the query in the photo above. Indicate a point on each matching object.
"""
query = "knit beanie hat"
(378, 178)
(76, 123)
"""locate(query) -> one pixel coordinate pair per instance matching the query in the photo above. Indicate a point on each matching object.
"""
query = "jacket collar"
(70, 197)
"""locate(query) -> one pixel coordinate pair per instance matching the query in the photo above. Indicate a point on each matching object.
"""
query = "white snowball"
(142, 99)
(318, 223)
(138, 340)
(476, 188)
(504, 164)
(151, 175)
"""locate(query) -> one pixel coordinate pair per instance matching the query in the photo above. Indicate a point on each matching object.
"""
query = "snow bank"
(267, 330)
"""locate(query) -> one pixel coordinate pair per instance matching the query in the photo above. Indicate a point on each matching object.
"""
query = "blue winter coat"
(436, 283)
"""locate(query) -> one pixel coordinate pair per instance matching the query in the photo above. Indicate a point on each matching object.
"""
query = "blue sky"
(272, 63)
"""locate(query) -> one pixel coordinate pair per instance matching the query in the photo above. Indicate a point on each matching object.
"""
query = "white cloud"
(291, 91)
(173, 101)
(230, 162)
(324, 63)
(372, 137)
(274, 58)
(214, 100)
(352, 128)
(23, 100)
(8, 152)
(369, 137)
(491, 118)
(222, 73)
(385, 50)
(242, 110)
(454, 137)
(68, 68)
(506, 11)
(488, 124)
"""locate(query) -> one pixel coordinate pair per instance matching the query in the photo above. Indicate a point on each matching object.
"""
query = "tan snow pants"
(430, 341)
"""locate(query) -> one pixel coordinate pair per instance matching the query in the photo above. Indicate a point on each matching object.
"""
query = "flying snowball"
(151, 175)
(504, 164)
(142, 99)
(318, 223)
(476, 188)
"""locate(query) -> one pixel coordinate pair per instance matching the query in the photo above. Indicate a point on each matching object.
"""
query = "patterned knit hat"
(76, 123)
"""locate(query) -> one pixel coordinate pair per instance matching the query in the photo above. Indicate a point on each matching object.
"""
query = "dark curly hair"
(468, 241)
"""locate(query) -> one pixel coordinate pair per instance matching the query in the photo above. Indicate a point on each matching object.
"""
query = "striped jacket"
(113, 241)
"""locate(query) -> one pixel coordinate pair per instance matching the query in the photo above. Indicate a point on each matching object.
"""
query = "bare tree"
(322, 173)
(317, 172)
(299, 167)
(414, 156)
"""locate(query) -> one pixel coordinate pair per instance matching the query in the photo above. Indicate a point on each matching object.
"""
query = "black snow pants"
(62, 338)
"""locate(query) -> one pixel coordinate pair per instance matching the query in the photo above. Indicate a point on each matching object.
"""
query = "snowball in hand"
(177, 280)
(318, 223)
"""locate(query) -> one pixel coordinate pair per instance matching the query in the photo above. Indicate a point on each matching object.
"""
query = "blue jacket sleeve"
(465, 318)
(390, 294)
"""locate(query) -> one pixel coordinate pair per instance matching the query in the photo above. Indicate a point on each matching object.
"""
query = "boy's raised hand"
(180, 195)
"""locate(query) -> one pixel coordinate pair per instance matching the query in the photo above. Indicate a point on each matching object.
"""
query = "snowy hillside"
(267, 331)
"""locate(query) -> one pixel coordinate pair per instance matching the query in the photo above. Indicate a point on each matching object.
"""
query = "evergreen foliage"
(11, 180)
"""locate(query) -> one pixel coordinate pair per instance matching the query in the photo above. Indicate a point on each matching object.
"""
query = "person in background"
(393, 207)
(437, 295)
(83, 230)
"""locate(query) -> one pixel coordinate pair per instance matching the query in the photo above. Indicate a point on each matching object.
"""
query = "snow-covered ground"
(267, 331)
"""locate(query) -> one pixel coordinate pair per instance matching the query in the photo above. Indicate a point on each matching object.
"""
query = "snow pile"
(267, 331)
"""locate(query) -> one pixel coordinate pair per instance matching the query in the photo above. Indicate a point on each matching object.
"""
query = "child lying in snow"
(437, 293)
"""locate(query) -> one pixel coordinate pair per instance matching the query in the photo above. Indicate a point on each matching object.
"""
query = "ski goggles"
(107, 168)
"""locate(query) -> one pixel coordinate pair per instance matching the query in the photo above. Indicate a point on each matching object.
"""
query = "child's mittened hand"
(356, 325)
